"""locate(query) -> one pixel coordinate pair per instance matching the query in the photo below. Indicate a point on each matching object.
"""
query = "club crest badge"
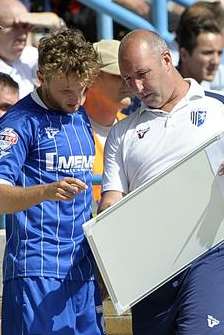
(51, 132)
(8, 138)
(198, 117)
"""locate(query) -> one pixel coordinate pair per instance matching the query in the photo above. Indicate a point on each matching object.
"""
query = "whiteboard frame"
(92, 234)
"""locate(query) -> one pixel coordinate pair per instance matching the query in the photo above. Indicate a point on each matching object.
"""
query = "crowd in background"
(196, 53)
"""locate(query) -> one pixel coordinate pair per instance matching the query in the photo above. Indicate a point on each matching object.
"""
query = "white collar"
(37, 99)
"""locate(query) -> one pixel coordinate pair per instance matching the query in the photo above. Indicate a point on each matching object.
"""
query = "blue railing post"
(160, 16)
(104, 26)
(186, 3)
(97, 179)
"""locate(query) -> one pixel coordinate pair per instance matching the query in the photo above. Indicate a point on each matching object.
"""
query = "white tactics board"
(158, 230)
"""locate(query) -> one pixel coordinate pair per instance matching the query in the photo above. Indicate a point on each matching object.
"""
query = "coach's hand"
(221, 170)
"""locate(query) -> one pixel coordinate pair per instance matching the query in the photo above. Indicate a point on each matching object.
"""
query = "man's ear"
(166, 58)
(40, 77)
(184, 54)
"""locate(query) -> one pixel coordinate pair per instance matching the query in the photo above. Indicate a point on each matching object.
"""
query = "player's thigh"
(48, 306)
(12, 309)
(201, 302)
(34, 306)
(89, 310)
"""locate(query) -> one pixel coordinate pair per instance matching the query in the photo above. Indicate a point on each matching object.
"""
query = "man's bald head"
(142, 38)
(9, 10)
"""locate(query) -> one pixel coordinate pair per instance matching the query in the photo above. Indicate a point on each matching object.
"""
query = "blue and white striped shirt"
(39, 146)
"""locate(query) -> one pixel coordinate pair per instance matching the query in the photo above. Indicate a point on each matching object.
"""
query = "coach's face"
(146, 73)
(62, 92)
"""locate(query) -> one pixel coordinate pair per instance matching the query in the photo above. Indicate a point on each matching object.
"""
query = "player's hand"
(64, 189)
(221, 170)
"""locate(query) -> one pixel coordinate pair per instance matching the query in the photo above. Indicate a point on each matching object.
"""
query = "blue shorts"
(190, 304)
(51, 306)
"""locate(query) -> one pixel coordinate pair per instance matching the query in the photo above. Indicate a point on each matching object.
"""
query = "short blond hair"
(66, 51)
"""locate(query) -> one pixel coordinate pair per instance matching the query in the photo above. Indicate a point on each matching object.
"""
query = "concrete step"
(116, 324)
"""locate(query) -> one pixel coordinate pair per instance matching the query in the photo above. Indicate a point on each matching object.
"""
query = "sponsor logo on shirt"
(8, 137)
(68, 163)
(212, 322)
(51, 132)
(198, 117)
(141, 132)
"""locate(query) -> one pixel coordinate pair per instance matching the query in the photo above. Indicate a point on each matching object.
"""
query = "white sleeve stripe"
(73, 208)
(5, 182)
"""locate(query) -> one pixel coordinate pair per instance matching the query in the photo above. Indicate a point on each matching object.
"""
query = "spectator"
(200, 44)
(104, 101)
(9, 92)
(217, 10)
(46, 156)
(214, 11)
(16, 58)
(157, 136)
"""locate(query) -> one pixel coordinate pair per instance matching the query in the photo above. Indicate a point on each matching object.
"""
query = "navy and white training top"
(37, 146)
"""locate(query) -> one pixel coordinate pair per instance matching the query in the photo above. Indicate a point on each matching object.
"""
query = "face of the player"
(147, 75)
(8, 97)
(203, 62)
(63, 93)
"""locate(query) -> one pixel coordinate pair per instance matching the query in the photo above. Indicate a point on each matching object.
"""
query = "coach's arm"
(108, 199)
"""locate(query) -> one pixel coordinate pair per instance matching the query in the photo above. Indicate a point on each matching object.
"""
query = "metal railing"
(107, 11)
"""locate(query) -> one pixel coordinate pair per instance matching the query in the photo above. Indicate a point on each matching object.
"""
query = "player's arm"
(108, 199)
(15, 198)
